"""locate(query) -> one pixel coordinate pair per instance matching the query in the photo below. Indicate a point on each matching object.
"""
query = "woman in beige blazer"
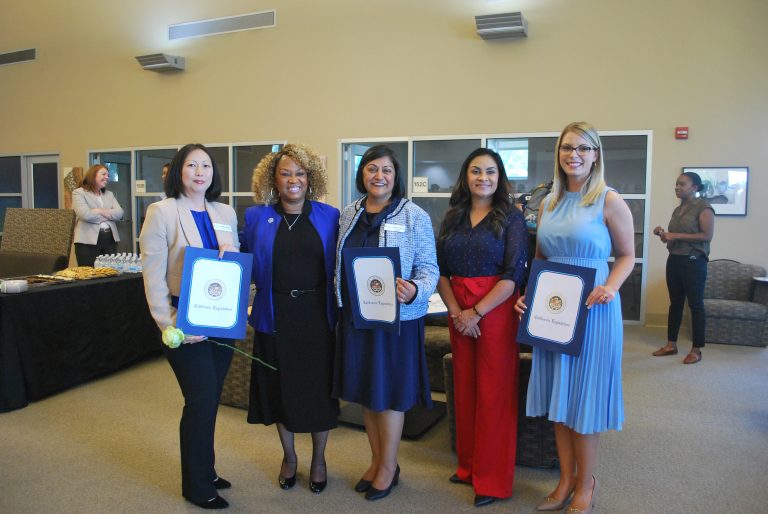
(96, 210)
(190, 216)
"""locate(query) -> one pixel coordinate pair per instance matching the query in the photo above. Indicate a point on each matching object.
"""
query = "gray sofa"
(736, 305)
(437, 343)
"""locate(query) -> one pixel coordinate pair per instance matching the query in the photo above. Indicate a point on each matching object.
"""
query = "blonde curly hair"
(263, 181)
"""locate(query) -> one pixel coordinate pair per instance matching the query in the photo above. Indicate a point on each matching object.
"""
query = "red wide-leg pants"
(485, 373)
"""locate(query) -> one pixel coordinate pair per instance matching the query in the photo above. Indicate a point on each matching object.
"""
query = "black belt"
(295, 293)
(105, 229)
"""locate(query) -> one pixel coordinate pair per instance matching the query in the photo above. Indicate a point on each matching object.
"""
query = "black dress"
(298, 394)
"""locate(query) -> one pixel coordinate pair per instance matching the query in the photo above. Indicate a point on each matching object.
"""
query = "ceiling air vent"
(499, 26)
(250, 21)
(161, 62)
(18, 56)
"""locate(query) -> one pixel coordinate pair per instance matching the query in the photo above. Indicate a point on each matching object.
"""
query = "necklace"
(290, 225)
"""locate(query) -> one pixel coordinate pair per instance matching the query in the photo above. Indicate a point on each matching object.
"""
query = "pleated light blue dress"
(582, 392)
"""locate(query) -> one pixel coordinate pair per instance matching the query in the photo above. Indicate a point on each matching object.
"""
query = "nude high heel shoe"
(551, 503)
(573, 510)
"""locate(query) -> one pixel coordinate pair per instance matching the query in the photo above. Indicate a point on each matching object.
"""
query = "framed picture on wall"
(725, 187)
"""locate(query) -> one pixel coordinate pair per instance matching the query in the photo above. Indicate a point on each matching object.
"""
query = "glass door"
(352, 152)
(11, 193)
(119, 165)
(149, 185)
(43, 186)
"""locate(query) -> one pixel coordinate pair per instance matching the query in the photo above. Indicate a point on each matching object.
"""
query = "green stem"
(246, 354)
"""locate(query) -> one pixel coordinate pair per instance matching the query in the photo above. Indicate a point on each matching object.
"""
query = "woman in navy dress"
(580, 221)
(293, 241)
(383, 371)
(482, 252)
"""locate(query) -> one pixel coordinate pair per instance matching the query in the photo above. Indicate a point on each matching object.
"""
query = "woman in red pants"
(482, 251)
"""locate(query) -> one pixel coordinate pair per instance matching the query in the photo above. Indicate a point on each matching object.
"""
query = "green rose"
(173, 337)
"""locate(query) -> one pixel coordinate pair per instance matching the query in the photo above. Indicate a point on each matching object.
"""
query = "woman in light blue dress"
(579, 223)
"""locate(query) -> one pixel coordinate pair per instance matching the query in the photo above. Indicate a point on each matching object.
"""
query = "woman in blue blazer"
(293, 238)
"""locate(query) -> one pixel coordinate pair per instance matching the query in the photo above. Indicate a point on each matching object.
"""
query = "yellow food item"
(86, 272)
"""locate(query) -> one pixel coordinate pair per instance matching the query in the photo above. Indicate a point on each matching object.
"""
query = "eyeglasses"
(581, 149)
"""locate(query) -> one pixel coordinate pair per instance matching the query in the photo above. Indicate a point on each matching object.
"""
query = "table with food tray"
(61, 333)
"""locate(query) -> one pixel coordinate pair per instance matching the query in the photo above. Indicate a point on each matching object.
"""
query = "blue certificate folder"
(371, 275)
(214, 293)
(556, 317)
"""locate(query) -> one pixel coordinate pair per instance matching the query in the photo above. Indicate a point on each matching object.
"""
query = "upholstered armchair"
(736, 305)
(35, 241)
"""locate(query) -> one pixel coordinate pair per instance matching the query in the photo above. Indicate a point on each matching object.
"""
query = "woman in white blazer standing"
(96, 210)
(190, 216)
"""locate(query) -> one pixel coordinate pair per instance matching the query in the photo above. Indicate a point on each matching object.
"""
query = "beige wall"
(349, 68)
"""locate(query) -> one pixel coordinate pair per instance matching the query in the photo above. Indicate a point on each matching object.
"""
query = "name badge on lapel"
(222, 226)
(394, 227)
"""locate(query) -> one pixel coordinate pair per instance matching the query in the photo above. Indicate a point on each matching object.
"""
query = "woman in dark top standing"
(293, 241)
(385, 372)
(690, 231)
(482, 252)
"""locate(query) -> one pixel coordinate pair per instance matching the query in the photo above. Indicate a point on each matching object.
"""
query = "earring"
(310, 191)
(272, 195)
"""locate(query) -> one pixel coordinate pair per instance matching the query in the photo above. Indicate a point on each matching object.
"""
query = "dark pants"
(86, 254)
(200, 369)
(686, 276)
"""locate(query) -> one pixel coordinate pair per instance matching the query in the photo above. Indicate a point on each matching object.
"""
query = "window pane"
(352, 153)
(630, 292)
(240, 204)
(221, 156)
(637, 208)
(10, 174)
(246, 159)
(149, 167)
(436, 208)
(529, 161)
(142, 204)
(514, 153)
(119, 166)
(45, 176)
(440, 161)
(5, 203)
(625, 162)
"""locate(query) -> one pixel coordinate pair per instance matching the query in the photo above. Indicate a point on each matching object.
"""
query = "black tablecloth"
(61, 335)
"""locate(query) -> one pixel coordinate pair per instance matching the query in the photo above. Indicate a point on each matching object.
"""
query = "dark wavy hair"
(376, 152)
(461, 199)
(174, 187)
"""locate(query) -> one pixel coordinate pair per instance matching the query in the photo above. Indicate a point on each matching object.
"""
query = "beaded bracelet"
(475, 309)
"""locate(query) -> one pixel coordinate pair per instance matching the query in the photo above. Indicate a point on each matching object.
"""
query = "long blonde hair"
(595, 184)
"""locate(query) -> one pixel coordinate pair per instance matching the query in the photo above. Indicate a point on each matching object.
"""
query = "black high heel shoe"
(363, 485)
(318, 487)
(373, 494)
(482, 501)
(221, 483)
(287, 483)
(215, 503)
